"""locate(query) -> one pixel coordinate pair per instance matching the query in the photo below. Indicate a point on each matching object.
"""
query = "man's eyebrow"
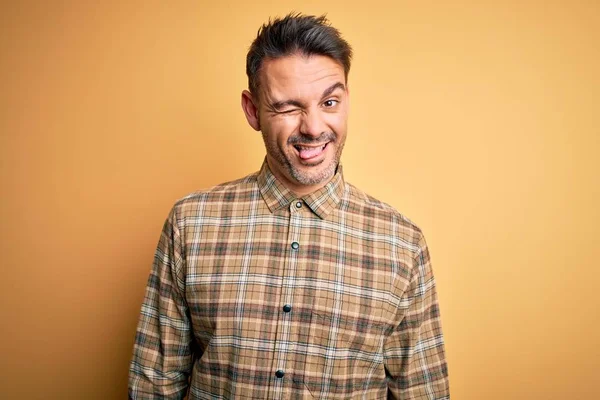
(332, 88)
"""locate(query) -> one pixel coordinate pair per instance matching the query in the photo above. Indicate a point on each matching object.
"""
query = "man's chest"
(249, 272)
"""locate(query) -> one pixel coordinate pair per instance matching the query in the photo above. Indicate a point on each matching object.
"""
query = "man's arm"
(162, 353)
(414, 352)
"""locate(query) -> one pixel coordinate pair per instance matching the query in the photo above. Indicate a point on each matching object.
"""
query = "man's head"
(298, 97)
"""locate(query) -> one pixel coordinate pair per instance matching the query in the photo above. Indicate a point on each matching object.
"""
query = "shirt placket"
(286, 306)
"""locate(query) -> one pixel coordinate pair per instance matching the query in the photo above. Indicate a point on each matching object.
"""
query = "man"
(291, 283)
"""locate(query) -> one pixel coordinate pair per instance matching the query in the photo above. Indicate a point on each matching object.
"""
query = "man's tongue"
(310, 152)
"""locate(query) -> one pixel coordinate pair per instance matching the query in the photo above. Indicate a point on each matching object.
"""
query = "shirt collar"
(321, 202)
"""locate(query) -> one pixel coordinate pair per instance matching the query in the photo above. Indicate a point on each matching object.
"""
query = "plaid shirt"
(256, 293)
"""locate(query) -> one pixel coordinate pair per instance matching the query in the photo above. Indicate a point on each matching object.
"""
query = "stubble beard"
(302, 177)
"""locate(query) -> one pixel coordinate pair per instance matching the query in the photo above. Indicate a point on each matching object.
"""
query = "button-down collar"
(321, 201)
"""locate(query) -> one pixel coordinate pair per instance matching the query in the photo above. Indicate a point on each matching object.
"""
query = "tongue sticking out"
(310, 152)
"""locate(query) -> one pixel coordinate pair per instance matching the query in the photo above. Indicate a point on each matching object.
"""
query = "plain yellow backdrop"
(477, 120)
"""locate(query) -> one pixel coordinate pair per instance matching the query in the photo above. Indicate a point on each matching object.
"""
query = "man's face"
(302, 113)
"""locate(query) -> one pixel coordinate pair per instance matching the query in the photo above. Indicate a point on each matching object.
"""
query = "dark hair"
(296, 33)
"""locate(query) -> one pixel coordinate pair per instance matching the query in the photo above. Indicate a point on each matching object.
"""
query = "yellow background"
(477, 120)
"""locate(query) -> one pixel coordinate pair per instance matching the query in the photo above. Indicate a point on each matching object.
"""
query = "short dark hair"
(296, 33)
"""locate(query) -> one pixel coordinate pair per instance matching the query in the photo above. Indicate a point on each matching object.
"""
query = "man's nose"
(312, 124)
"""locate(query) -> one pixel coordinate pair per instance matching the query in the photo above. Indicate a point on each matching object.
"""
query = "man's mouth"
(310, 152)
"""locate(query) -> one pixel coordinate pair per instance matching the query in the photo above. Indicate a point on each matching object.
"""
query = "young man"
(291, 283)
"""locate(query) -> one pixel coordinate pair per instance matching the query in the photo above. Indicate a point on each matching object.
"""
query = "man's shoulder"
(226, 191)
(363, 203)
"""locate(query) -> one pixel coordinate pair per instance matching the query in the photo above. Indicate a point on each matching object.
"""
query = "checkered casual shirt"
(257, 293)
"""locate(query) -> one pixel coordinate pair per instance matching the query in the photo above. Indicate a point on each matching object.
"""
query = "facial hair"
(306, 178)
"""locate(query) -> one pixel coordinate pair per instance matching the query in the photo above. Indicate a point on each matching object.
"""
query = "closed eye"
(288, 111)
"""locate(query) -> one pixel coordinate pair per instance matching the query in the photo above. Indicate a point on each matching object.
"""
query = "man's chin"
(310, 178)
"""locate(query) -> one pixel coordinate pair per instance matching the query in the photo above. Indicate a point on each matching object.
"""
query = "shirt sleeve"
(414, 352)
(162, 353)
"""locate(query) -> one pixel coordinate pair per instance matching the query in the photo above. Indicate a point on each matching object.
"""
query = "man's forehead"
(300, 72)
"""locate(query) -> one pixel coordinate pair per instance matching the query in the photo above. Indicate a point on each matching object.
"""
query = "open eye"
(330, 103)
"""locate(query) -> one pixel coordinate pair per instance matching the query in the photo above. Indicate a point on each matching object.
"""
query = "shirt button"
(287, 308)
(299, 204)
(279, 373)
(295, 245)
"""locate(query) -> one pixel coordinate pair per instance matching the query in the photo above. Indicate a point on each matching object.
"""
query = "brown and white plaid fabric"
(256, 293)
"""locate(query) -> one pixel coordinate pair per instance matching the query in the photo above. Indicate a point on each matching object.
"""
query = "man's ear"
(250, 110)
